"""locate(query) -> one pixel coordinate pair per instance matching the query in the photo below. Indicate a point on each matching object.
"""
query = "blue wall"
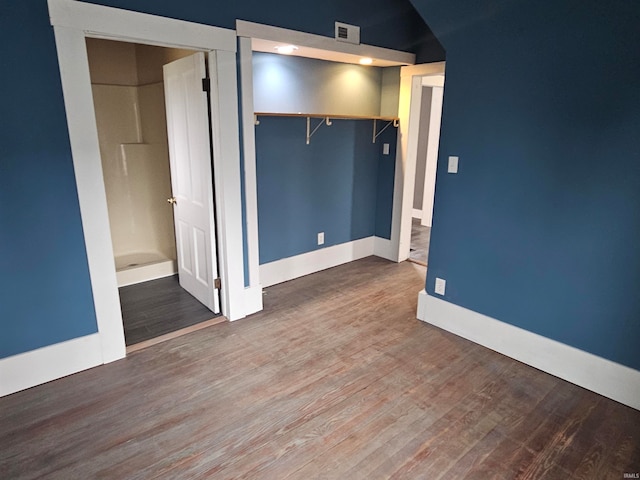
(540, 228)
(331, 185)
(385, 23)
(46, 296)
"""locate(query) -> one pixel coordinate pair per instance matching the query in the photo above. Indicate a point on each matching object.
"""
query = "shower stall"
(128, 95)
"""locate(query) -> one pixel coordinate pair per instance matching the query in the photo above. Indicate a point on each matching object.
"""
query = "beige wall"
(150, 59)
(128, 96)
(112, 63)
(121, 63)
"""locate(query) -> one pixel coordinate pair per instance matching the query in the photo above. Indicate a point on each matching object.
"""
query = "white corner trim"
(29, 369)
(415, 213)
(293, 267)
(589, 371)
(383, 248)
(107, 22)
(252, 300)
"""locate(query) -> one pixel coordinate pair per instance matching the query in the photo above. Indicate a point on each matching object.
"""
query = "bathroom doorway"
(129, 101)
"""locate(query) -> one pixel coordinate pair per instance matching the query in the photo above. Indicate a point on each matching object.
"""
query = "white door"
(191, 177)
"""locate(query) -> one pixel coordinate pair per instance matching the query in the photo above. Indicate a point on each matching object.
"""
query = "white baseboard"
(253, 299)
(594, 373)
(286, 269)
(383, 248)
(415, 213)
(42, 365)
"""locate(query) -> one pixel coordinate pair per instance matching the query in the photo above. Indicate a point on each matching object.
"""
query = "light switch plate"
(385, 149)
(453, 165)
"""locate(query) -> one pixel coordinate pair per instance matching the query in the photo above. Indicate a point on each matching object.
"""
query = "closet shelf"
(326, 119)
(326, 115)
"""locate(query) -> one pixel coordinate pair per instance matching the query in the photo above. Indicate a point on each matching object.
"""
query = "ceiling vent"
(347, 33)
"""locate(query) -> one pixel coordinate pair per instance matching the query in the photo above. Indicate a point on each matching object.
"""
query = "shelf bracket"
(376, 134)
(310, 133)
(255, 120)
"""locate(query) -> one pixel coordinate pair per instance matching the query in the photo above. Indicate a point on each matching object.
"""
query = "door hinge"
(206, 85)
(217, 284)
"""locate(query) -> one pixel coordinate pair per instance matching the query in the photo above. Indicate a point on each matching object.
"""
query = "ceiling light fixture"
(366, 61)
(286, 49)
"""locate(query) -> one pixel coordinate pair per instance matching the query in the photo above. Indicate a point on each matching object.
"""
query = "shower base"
(142, 267)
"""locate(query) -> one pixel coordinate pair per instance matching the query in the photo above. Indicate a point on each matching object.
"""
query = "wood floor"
(336, 379)
(155, 308)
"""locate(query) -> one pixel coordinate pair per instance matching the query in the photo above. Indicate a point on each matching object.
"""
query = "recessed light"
(286, 49)
(366, 61)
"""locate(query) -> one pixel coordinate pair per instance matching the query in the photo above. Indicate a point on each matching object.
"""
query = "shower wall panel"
(135, 163)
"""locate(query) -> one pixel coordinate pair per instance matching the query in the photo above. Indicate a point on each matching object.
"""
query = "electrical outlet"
(385, 149)
(321, 238)
(441, 283)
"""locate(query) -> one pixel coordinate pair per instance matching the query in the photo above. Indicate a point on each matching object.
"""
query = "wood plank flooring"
(158, 307)
(335, 379)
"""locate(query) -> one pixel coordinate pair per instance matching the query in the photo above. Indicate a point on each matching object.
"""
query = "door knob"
(172, 200)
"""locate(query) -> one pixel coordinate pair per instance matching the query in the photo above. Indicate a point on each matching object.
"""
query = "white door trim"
(249, 150)
(112, 23)
(319, 46)
(72, 22)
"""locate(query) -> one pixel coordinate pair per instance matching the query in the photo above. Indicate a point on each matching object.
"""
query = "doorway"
(141, 183)
(429, 101)
(73, 22)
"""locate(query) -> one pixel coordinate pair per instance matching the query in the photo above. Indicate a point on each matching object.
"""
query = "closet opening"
(336, 117)
(165, 264)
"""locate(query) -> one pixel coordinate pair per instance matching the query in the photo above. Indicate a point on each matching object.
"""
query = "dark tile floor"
(419, 242)
(158, 307)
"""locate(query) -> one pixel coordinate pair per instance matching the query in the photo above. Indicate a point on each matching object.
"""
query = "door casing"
(73, 21)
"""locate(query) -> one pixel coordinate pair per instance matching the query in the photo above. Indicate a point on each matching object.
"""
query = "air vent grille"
(347, 33)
